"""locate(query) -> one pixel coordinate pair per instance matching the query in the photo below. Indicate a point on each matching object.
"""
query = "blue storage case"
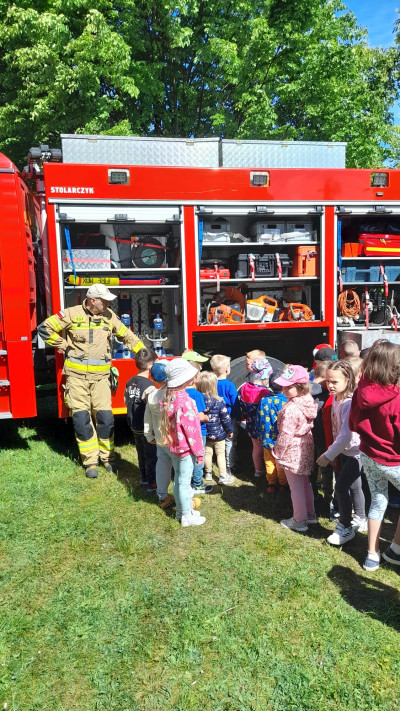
(361, 275)
(393, 272)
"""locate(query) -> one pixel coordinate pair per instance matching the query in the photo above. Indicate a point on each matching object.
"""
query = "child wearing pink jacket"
(181, 435)
(294, 448)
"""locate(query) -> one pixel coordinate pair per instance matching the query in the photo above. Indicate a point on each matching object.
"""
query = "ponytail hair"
(165, 432)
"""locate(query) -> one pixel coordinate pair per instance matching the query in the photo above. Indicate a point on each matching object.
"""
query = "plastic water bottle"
(120, 350)
(158, 323)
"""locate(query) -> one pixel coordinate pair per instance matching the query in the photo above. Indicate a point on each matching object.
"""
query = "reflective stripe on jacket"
(87, 339)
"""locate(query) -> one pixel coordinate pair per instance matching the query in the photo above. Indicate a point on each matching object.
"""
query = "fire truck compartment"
(137, 254)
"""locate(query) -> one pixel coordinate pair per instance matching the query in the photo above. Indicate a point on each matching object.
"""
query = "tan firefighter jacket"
(86, 339)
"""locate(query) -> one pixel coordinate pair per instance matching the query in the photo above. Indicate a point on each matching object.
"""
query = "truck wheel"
(238, 373)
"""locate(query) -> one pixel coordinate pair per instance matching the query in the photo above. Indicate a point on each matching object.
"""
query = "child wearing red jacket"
(375, 415)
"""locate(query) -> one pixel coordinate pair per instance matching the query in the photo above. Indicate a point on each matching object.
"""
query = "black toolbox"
(265, 265)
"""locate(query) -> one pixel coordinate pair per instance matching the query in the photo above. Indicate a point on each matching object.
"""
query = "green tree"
(277, 69)
(63, 68)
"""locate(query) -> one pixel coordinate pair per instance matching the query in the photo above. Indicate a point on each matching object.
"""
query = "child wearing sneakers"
(341, 382)
(181, 435)
(193, 392)
(267, 427)
(294, 449)
(375, 415)
(152, 432)
(221, 366)
(251, 394)
(137, 391)
(219, 427)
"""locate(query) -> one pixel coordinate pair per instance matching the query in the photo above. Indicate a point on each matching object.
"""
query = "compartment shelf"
(256, 326)
(368, 283)
(257, 244)
(259, 279)
(124, 287)
(357, 327)
(100, 272)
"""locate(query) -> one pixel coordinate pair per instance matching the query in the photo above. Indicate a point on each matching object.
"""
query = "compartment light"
(118, 177)
(259, 179)
(379, 180)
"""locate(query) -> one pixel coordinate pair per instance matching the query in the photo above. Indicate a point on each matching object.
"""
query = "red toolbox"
(219, 273)
(378, 245)
(305, 261)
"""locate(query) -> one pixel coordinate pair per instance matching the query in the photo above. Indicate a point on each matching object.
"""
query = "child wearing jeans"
(294, 449)
(375, 416)
(193, 392)
(267, 428)
(137, 391)
(219, 427)
(221, 366)
(341, 382)
(251, 394)
(181, 435)
(152, 421)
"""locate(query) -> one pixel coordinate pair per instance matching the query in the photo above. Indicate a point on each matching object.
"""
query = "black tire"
(238, 373)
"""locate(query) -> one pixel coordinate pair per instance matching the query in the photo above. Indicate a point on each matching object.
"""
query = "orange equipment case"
(305, 261)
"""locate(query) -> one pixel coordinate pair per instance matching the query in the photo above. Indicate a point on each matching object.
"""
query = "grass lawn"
(108, 604)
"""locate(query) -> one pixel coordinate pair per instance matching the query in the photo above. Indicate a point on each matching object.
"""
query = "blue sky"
(378, 16)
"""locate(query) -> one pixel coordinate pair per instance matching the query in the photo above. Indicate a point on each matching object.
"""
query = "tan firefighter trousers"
(90, 404)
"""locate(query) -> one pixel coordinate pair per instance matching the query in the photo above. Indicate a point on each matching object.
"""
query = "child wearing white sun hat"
(181, 434)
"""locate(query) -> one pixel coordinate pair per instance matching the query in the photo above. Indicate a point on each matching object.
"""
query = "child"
(348, 489)
(294, 449)
(375, 415)
(251, 394)
(321, 395)
(221, 366)
(349, 349)
(152, 432)
(181, 435)
(219, 426)
(325, 355)
(197, 483)
(267, 428)
(137, 391)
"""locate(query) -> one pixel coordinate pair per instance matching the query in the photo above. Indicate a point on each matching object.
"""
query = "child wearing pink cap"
(251, 394)
(294, 448)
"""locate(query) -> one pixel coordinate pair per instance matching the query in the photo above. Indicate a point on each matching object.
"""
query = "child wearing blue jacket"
(221, 366)
(267, 429)
(219, 427)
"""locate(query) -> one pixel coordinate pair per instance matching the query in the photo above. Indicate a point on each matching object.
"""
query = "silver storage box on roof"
(132, 150)
(282, 154)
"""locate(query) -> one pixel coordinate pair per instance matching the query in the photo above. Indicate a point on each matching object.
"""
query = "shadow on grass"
(10, 438)
(368, 595)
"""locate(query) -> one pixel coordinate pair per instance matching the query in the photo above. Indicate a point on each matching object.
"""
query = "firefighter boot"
(91, 472)
(105, 436)
(86, 438)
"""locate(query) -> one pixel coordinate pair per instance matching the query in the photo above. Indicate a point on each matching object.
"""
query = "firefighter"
(84, 333)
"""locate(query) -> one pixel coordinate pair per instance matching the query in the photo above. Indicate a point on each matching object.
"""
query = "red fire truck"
(212, 252)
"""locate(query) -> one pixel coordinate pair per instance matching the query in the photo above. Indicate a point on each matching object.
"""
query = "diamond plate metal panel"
(282, 154)
(131, 150)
